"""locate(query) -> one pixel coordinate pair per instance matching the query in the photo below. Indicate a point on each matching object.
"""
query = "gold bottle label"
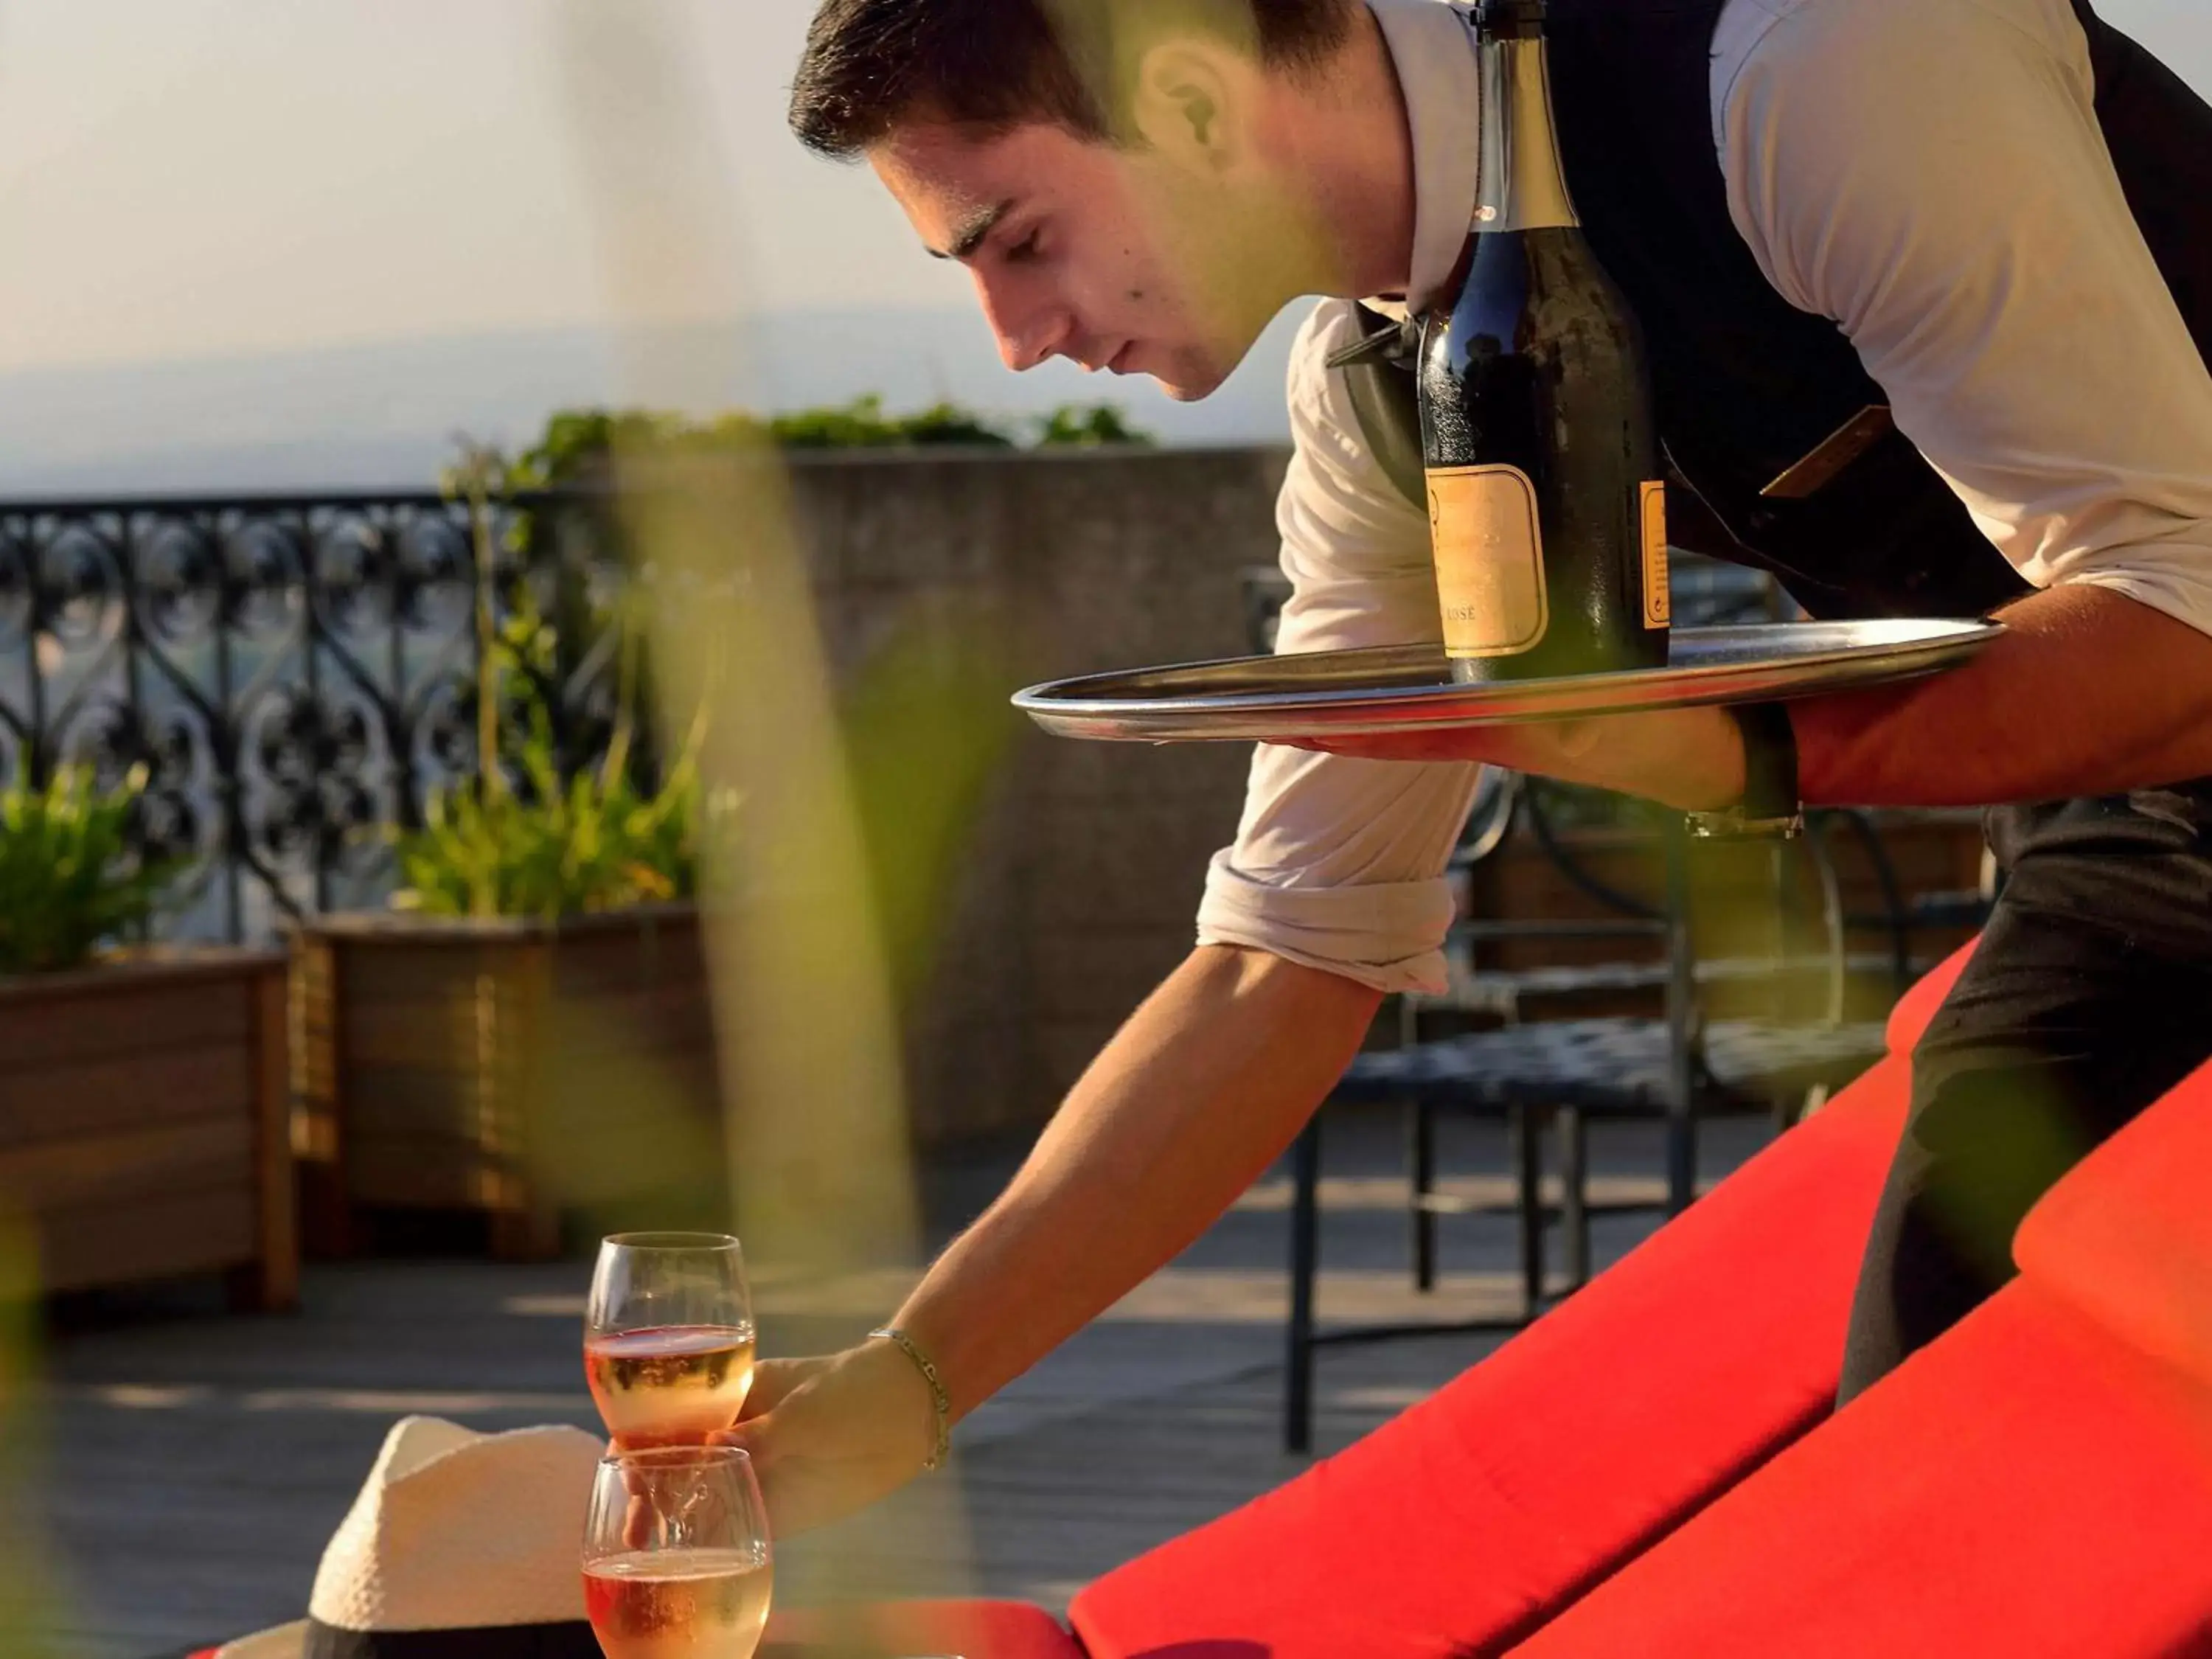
(1490, 560)
(1658, 596)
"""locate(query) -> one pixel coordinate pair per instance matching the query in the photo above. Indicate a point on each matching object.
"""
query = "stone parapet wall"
(1079, 879)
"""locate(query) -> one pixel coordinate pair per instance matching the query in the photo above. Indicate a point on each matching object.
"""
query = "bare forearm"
(1197, 1094)
(2088, 693)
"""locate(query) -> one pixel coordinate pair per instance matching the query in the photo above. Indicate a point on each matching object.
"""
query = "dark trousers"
(2089, 997)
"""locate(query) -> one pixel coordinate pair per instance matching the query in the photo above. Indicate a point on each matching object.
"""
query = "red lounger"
(1472, 1519)
(2036, 1482)
(897, 1630)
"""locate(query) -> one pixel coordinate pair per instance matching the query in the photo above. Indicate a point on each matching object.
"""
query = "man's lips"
(1117, 362)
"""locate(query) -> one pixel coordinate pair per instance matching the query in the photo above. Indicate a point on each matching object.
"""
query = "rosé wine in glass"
(677, 1559)
(668, 1336)
(679, 1604)
(667, 1384)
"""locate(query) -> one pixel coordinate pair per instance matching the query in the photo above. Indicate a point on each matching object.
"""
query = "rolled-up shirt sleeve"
(1931, 174)
(1338, 863)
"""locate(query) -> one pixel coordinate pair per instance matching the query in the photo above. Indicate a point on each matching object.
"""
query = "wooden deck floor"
(185, 1467)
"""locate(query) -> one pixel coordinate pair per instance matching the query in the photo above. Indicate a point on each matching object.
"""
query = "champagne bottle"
(1546, 512)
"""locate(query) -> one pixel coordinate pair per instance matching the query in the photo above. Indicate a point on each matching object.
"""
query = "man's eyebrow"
(970, 235)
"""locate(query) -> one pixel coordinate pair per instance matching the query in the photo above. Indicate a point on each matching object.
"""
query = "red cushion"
(1909, 1017)
(2126, 1238)
(895, 1630)
(1481, 1512)
(2025, 1486)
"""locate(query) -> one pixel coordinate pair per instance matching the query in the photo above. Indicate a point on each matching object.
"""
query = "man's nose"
(1027, 335)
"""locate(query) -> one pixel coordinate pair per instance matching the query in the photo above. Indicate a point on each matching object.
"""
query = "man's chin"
(1188, 382)
(1188, 394)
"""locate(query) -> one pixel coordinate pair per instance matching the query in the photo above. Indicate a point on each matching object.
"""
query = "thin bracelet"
(941, 1401)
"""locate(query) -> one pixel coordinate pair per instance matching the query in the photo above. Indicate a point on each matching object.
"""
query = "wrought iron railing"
(295, 672)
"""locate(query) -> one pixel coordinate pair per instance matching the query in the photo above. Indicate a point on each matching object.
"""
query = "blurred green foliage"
(1072, 425)
(36, 1603)
(70, 882)
(862, 424)
(575, 440)
(555, 848)
(520, 840)
(924, 718)
(926, 723)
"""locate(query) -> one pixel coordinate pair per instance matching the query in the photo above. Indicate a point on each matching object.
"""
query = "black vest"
(1744, 385)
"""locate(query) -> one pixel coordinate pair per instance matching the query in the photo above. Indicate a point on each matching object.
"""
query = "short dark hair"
(997, 64)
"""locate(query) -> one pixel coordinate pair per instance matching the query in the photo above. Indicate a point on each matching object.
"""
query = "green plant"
(556, 848)
(1080, 426)
(69, 880)
(862, 424)
(576, 441)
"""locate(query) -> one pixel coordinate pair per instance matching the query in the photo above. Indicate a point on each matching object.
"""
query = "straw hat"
(453, 1531)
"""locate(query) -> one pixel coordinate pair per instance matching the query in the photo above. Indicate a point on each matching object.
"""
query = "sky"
(335, 218)
(208, 177)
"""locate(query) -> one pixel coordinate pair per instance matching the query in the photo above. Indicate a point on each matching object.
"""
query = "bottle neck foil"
(1522, 182)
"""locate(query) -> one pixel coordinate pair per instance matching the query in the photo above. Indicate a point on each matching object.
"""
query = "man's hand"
(1203, 1088)
(1690, 758)
(832, 1435)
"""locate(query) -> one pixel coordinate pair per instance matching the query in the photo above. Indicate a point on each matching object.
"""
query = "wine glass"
(677, 1564)
(668, 1337)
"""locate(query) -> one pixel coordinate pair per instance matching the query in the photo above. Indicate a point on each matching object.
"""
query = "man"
(1993, 217)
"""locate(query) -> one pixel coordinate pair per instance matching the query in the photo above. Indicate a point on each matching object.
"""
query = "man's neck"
(1347, 131)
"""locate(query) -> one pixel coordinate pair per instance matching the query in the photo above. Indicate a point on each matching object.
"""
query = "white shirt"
(1930, 174)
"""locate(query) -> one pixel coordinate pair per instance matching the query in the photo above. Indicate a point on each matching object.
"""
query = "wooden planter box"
(520, 1070)
(142, 1122)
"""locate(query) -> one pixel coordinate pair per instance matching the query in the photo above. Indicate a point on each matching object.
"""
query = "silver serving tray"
(1401, 687)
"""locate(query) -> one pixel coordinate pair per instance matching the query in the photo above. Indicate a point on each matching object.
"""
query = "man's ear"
(1188, 104)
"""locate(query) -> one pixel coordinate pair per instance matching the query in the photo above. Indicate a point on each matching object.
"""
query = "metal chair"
(1674, 1069)
(1531, 1076)
(1958, 910)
